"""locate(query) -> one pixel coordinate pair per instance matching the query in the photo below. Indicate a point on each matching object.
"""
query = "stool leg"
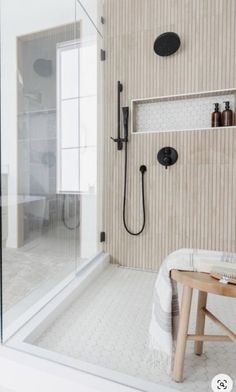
(182, 333)
(200, 323)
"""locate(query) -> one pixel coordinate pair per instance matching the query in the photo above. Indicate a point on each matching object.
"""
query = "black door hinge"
(103, 55)
(102, 236)
(102, 20)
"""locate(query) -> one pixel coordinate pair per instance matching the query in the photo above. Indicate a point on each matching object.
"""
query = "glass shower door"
(49, 152)
(89, 42)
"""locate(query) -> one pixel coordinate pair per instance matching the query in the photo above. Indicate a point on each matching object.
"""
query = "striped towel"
(165, 310)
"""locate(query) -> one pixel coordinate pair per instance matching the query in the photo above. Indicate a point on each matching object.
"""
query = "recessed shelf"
(185, 112)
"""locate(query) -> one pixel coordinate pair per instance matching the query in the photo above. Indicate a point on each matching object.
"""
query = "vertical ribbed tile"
(193, 204)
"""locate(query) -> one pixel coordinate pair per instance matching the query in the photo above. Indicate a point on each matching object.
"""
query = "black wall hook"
(167, 156)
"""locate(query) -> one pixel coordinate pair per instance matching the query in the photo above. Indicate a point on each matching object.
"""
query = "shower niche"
(179, 112)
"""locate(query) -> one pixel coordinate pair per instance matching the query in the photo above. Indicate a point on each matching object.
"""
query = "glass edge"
(78, 2)
(1, 274)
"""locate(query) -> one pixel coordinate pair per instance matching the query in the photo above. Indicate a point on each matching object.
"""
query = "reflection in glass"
(52, 229)
(69, 123)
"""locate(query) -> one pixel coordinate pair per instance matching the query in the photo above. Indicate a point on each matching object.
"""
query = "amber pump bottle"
(216, 117)
(227, 115)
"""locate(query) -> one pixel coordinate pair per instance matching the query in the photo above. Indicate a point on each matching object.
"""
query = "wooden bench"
(205, 284)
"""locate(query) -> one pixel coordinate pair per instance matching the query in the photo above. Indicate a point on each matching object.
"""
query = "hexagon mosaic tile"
(177, 115)
(108, 326)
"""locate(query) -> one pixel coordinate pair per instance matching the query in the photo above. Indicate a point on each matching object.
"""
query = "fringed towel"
(165, 309)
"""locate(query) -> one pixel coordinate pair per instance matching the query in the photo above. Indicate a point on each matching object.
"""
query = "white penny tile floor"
(108, 326)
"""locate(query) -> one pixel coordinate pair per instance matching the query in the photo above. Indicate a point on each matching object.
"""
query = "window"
(77, 117)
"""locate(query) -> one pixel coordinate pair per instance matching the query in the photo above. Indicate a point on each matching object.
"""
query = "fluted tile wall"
(193, 204)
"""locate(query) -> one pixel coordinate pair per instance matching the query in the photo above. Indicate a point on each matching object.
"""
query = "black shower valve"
(167, 156)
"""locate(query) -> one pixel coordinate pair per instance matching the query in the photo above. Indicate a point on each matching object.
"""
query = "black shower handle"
(125, 111)
(119, 140)
(119, 143)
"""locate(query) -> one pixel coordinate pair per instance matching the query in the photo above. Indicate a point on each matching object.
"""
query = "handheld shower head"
(125, 111)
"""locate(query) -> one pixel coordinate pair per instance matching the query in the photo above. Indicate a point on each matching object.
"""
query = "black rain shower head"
(167, 44)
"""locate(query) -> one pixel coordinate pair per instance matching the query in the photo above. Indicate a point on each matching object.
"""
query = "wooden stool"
(205, 284)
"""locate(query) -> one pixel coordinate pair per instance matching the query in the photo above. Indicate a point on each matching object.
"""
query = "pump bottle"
(216, 117)
(227, 115)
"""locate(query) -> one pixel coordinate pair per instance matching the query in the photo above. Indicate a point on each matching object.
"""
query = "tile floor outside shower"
(49, 257)
(108, 326)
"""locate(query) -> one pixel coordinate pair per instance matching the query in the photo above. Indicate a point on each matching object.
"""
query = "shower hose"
(64, 218)
(142, 169)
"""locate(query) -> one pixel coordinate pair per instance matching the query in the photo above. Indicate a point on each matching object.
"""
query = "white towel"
(165, 309)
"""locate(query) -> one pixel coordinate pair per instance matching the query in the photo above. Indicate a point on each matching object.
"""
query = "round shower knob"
(167, 156)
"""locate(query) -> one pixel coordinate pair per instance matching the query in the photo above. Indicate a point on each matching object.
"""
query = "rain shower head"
(43, 67)
(167, 44)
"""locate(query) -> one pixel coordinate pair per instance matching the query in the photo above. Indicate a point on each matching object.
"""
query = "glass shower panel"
(89, 41)
(69, 123)
(42, 217)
